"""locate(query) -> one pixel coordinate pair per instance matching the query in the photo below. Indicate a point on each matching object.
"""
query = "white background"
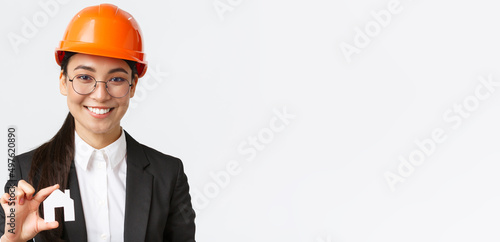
(221, 76)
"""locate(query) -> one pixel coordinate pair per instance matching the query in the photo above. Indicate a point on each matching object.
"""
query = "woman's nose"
(100, 91)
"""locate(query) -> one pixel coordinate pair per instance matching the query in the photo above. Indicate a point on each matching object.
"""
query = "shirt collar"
(115, 151)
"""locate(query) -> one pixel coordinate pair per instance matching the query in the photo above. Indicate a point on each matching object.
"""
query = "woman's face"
(91, 111)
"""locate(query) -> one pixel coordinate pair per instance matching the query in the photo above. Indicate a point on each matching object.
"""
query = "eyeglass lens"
(86, 84)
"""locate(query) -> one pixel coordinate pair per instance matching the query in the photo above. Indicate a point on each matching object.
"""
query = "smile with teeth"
(98, 110)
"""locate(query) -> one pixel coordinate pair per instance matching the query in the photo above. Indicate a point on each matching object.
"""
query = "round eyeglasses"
(84, 84)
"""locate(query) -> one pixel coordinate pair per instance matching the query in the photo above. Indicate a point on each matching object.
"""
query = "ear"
(63, 84)
(134, 85)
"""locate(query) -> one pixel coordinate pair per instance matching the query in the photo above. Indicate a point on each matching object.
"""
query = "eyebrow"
(88, 68)
(119, 69)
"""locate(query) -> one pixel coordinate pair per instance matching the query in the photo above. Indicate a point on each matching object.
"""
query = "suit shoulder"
(25, 159)
(163, 166)
(22, 164)
(26, 156)
(154, 154)
(158, 161)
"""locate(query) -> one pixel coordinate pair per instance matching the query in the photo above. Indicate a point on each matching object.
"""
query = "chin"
(99, 129)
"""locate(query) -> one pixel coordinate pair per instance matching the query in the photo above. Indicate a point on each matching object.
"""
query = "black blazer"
(157, 204)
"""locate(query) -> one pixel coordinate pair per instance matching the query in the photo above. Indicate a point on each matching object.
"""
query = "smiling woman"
(105, 169)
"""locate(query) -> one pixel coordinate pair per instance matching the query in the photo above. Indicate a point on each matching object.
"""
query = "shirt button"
(101, 202)
(103, 236)
(101, 165)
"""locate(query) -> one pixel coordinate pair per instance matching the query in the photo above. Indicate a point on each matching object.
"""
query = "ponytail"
(51, 165)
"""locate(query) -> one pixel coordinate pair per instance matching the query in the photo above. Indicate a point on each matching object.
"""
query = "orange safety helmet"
(104, 30)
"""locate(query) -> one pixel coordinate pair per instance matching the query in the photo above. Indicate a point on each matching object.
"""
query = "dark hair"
(67, 55)
(51, 162)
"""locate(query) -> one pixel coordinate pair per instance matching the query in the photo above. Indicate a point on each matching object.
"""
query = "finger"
(4, 199)
(19, 195)
(44, 193)
(42, 225)
(27, 188)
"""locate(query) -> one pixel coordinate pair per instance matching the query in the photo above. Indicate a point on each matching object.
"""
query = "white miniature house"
(58, 199)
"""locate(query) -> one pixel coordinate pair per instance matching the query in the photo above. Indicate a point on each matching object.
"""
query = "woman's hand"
(22, 221)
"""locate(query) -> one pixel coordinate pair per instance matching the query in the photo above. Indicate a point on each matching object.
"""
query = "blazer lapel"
(138, 192)
(76, 230)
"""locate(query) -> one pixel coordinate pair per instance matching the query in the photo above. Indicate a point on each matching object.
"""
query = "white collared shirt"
(102, 181)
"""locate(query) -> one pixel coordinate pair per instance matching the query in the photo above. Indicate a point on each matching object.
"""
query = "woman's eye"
(117, 79)
(84, 77)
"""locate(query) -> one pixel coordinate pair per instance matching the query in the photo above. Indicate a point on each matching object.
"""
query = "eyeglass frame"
(95, 85)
